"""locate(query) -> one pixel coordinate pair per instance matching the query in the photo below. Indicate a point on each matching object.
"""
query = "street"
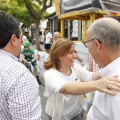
(43, 101)
(42, 89)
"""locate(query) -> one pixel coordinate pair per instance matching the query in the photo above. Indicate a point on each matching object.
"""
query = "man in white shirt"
(48, 40)
(103, 42)
(24, 38)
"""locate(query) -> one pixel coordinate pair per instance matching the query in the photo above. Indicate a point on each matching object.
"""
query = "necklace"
(68, 73)
(68, 77)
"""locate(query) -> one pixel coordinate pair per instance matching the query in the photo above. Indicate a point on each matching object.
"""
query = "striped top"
(19, 91)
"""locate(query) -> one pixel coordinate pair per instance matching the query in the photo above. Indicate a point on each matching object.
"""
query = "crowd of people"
(65, 81)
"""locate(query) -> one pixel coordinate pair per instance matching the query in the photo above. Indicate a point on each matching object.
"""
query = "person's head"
(26, 45)
(57, 36)
(46, 30)
(62, 53)
(103, 40)
(10, 34)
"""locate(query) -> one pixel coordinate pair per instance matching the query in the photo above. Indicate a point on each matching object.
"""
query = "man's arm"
(24, 99)
(33, 54)
(50, 40)
(34, 58)
(22, 58)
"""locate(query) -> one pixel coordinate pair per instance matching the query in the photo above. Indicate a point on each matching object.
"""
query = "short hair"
(57, 33)
(47, 28)
(8, 27)
(59, 48)
(107, 30)
(115, 17)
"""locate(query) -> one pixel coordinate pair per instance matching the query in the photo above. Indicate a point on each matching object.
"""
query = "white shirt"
(105, 106)
(48, 37)
(19, 91)
(53, 83)
(24, 38)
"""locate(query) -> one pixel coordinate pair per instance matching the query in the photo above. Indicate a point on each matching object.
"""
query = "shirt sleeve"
(32, 51)
(22, 51)
(53, 81)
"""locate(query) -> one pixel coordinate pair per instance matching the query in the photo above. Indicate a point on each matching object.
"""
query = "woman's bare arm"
(103, 85)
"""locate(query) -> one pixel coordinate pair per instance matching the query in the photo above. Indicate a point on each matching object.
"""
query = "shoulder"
(50, 34)
(22, 50)
(19, 67)
(79, 69)
(50, 72)
(22, 72)
(14, 69)
(76, 68)
(76, 65)
(32, 50)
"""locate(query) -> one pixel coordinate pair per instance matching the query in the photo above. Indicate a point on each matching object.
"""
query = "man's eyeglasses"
(86, 42)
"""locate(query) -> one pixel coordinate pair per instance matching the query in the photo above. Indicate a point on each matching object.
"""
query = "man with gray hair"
(103, 42)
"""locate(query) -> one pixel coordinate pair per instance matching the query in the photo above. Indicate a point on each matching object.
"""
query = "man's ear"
(97, 45)
(13, 40)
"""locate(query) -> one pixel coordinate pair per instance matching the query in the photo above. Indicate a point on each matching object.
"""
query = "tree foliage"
(20, 13)
(28, 12)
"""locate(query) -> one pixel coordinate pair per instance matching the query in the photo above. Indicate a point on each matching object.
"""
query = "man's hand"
(29, 63)
(32, 60)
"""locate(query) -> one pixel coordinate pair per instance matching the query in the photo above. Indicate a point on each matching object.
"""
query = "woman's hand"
(107, 84)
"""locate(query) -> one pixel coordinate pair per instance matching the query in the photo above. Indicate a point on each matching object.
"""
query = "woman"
(63, 86)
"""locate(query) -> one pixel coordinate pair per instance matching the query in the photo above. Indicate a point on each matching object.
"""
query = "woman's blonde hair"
(59, 48)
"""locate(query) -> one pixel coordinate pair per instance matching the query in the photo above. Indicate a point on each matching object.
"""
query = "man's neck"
(110, 58)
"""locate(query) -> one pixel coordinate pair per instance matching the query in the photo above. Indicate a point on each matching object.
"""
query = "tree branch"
(50, 4)
(45, 6)
(30, 9)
